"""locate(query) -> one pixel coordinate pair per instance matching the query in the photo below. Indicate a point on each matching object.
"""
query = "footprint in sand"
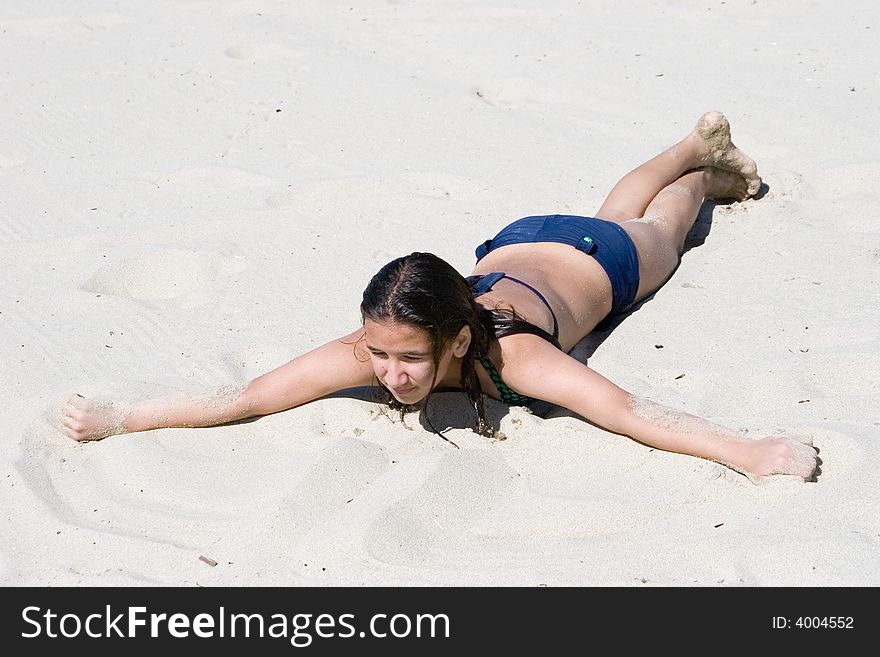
(158, 275)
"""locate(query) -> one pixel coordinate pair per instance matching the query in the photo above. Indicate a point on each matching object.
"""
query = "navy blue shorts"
(606, 241)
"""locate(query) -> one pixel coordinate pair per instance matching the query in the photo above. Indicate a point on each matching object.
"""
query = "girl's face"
(403, 359)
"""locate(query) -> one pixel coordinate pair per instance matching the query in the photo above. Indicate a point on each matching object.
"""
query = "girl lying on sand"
(538, 287)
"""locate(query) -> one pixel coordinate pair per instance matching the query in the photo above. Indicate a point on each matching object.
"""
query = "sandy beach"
(193, 193)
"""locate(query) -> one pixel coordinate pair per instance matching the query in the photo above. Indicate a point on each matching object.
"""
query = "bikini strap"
(480, 284)
(542, 298)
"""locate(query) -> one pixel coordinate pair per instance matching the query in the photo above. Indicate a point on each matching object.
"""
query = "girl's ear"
(461, 342)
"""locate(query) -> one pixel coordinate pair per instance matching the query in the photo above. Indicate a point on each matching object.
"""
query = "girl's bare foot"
(711, 137)
(725, 184)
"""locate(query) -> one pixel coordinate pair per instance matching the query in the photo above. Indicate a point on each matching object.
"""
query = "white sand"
(193, 193)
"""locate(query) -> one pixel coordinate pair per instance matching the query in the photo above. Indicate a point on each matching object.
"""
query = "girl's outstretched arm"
(337, 365)
(537, 369)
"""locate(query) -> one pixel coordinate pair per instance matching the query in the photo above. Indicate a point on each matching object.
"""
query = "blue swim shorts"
(606, 241)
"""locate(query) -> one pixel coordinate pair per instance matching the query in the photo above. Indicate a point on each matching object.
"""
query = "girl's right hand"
(86, 419)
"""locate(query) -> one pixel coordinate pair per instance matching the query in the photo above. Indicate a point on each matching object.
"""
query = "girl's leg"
(709, 144)
(659, 235)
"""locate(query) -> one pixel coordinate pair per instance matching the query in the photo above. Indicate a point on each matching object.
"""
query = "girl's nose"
(395, 375)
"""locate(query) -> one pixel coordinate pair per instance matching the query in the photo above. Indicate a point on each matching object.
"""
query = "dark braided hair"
(426, 292)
